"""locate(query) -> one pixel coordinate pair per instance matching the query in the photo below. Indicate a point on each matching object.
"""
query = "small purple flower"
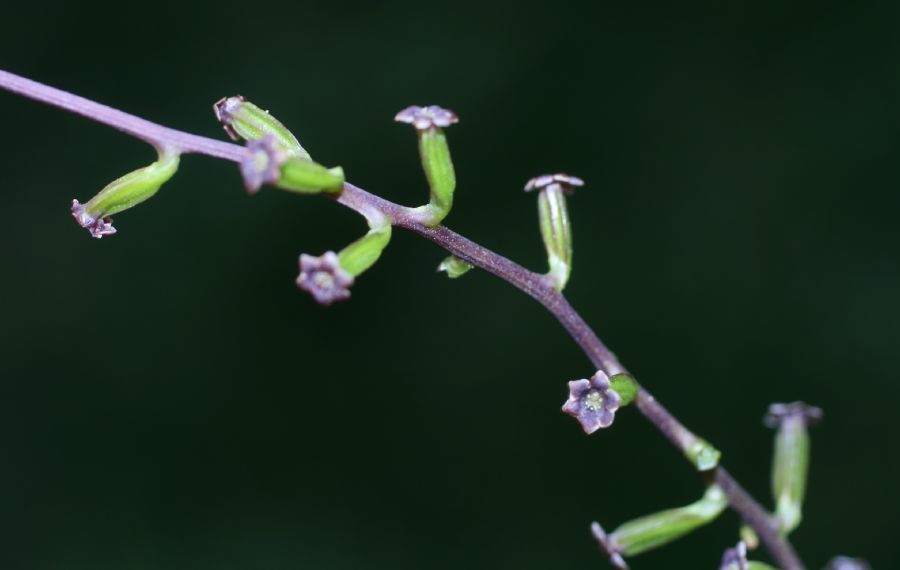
(98, 227)
(424, 118)
(735, 558)
(778, 413)
(566, 182)
(592, 402)
(262, 164)
(324, 278)
(608, 546)
(224, 109)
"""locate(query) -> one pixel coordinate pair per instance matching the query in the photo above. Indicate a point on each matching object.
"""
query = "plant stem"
(534, 284)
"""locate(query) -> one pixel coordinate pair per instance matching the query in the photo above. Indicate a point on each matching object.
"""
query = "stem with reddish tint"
(535, 285)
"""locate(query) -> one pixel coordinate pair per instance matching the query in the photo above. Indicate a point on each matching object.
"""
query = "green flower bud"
(749, 537)
(652, 531)
(625, 386)
(244, 120)
(436, 160)
(554, 222)
(307, 177)
(123, 193)
(791, 459)
(454, 267)
(703, 455)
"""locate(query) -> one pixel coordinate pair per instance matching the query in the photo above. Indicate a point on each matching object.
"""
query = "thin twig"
(531, 283)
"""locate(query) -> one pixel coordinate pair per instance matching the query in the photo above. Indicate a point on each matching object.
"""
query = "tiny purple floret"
(566, 182)
(735, 558)
(224, 109)
(778, 413)
(592, 402)
(262, 164)
(608, 546)
(424, 118)
(324, 278)
(98, 227)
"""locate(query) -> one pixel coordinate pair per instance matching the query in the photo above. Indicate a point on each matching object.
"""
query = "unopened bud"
(749, 537)
(436, 161)
(703, 455)
(454, 267)
(625, 386)
(652, 531)
(123, 193)
(790, 464)
(242, 119)
(553, 216)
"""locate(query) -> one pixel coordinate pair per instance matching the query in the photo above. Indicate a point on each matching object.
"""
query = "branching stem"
(534, 284)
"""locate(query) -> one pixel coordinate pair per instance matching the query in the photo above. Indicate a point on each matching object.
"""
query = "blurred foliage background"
(169, 400)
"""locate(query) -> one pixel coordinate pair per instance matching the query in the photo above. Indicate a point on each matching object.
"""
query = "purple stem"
(533, 284)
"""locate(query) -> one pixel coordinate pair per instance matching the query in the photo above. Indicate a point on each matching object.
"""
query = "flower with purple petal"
(592, 402)
(735, 558)
(566, 182)
(262, 165)
(224, 109)
(429, 117)
(324, 278)
(780, 412)
(98, 226)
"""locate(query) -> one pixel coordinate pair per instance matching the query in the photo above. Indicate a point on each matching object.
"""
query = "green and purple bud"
(275, 156)
(790, 464)
(328, 278)
(124, 193)
(652, 531)
(242, 119)
(553, 216)
(436, 161)
(267, 163)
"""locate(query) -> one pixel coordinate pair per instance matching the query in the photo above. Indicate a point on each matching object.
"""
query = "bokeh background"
(169, 400)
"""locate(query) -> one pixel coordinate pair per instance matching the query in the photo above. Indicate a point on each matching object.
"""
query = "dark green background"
(169, 400)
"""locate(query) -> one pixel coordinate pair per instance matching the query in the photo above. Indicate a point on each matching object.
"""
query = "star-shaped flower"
(780, 412)
(262, 164)
(98, 226)
(592, 402)
(324, 278)
(424, 118)
(566, 182)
